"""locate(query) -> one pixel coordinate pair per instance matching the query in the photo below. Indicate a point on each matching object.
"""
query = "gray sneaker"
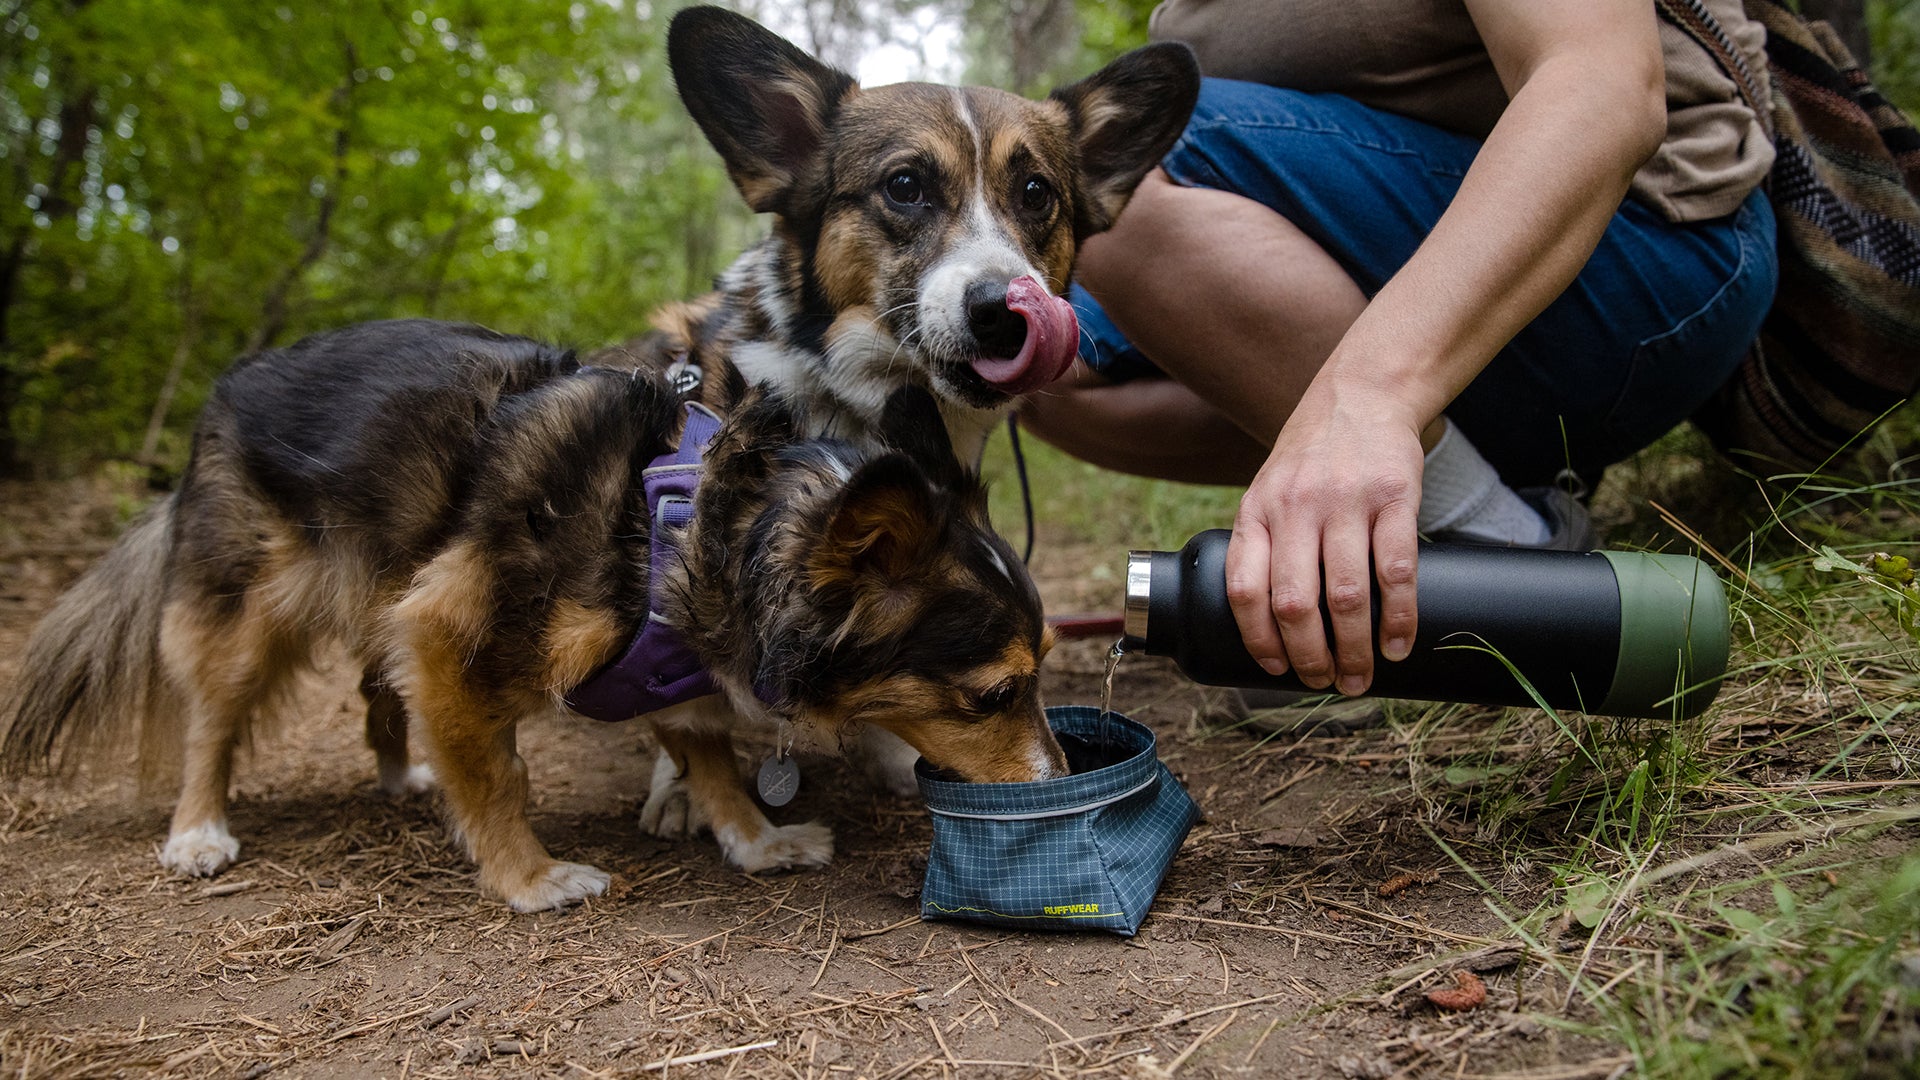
(1561, 504)
(1569, 526)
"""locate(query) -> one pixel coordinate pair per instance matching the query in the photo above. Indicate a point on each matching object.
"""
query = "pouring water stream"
(1106, 694)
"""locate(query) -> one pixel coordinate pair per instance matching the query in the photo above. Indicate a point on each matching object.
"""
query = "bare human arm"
(1342, 482)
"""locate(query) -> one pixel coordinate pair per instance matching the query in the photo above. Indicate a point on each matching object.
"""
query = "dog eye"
(903, 189)
(1037, 195)
(998, 698)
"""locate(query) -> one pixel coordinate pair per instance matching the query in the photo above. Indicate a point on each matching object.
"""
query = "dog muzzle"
(1052, 341)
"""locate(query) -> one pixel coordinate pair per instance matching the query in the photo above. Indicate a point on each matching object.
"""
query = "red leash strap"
(1085, 626)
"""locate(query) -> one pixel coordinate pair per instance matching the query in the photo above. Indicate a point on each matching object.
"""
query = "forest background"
(182, 183)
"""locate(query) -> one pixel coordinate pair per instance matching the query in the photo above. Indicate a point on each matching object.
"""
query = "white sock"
(1462, 495)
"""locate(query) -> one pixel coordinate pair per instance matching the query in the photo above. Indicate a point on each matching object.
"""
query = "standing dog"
(464, 511)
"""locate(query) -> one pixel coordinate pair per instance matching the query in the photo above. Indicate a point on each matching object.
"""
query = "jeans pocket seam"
(1644, 350)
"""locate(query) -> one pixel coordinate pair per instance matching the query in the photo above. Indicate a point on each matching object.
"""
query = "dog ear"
(763, 103)
(741, 458)
(910, 422)
(882, 524)
(1125, 117)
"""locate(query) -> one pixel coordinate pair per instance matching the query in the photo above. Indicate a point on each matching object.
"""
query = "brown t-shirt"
(1425, 59)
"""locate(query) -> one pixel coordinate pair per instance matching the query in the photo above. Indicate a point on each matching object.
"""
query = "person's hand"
(1342, 483)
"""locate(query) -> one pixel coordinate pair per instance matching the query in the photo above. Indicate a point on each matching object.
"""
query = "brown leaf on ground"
(1469, 992)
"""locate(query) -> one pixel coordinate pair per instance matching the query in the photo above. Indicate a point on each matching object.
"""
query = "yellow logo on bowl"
(1071, 909)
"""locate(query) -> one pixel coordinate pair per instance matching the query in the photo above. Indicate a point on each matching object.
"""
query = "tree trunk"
(444, 249)
(273, 312)
(76, 116)
(9, 378)
(182, 352)
(700, 230)
(1042, 30)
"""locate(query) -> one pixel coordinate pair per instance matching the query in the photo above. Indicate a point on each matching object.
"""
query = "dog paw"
(888, 762)
(778, 847)
(563, 883)
(201, 851)
(667, 812)
(401, 782)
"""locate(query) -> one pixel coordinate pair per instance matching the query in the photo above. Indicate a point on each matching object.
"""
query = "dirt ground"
(350, 939)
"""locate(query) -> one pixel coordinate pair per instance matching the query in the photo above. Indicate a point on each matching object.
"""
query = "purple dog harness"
(658, 669)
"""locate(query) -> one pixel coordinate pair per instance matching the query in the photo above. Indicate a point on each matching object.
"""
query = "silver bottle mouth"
(1139, 594)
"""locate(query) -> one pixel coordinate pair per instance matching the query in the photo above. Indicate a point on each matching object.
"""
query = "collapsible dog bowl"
(1083, 852)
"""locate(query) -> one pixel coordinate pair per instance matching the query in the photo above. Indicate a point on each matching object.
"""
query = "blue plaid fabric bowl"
(1084, 852)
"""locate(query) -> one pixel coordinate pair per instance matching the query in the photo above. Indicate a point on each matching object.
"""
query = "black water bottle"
(1614, 633)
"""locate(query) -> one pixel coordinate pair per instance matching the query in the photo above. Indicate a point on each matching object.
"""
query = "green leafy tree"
(182, 182)
(186, 182)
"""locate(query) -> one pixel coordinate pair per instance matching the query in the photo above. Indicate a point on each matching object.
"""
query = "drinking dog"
(465, 512)
(921, 234)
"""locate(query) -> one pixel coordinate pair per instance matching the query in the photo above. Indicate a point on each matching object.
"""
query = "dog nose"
(999, 329)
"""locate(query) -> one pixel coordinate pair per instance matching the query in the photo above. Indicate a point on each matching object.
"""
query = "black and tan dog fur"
(463, 511)
(895, 210)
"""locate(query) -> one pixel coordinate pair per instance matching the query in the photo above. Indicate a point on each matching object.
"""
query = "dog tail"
(91, 676)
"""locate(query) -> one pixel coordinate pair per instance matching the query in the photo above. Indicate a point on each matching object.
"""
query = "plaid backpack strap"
(1841, 345)
(1693, 18)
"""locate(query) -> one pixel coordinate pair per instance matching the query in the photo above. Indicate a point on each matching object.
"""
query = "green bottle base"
(1673, 618)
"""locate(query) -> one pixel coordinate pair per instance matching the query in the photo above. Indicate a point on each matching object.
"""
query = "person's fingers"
(1396, 564)
(1247, 595)
(1294, 573)
(1344, 549)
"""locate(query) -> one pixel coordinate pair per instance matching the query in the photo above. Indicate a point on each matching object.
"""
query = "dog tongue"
(1053, 337)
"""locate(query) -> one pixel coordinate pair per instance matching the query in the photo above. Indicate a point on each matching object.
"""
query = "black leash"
(1026, 491)
(1067, 626)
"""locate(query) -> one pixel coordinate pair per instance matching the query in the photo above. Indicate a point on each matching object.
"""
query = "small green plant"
(1800, 972)
(1893, 573)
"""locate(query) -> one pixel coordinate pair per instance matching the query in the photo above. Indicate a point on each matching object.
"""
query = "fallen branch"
(1314, 934)
(856, 935)
(1181, 1059)
(338, 941)
(445, 1012)
(56, 551)
(1767, 841)
(1172, 1021)
(1599, 1067)
(707, 1055)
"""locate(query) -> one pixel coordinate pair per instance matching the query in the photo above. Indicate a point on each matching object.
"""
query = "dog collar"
(658, 669)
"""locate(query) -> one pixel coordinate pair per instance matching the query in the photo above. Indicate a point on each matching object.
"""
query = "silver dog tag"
(779, 780)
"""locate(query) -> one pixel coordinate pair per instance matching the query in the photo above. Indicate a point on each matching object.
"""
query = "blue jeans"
(1655, 322)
